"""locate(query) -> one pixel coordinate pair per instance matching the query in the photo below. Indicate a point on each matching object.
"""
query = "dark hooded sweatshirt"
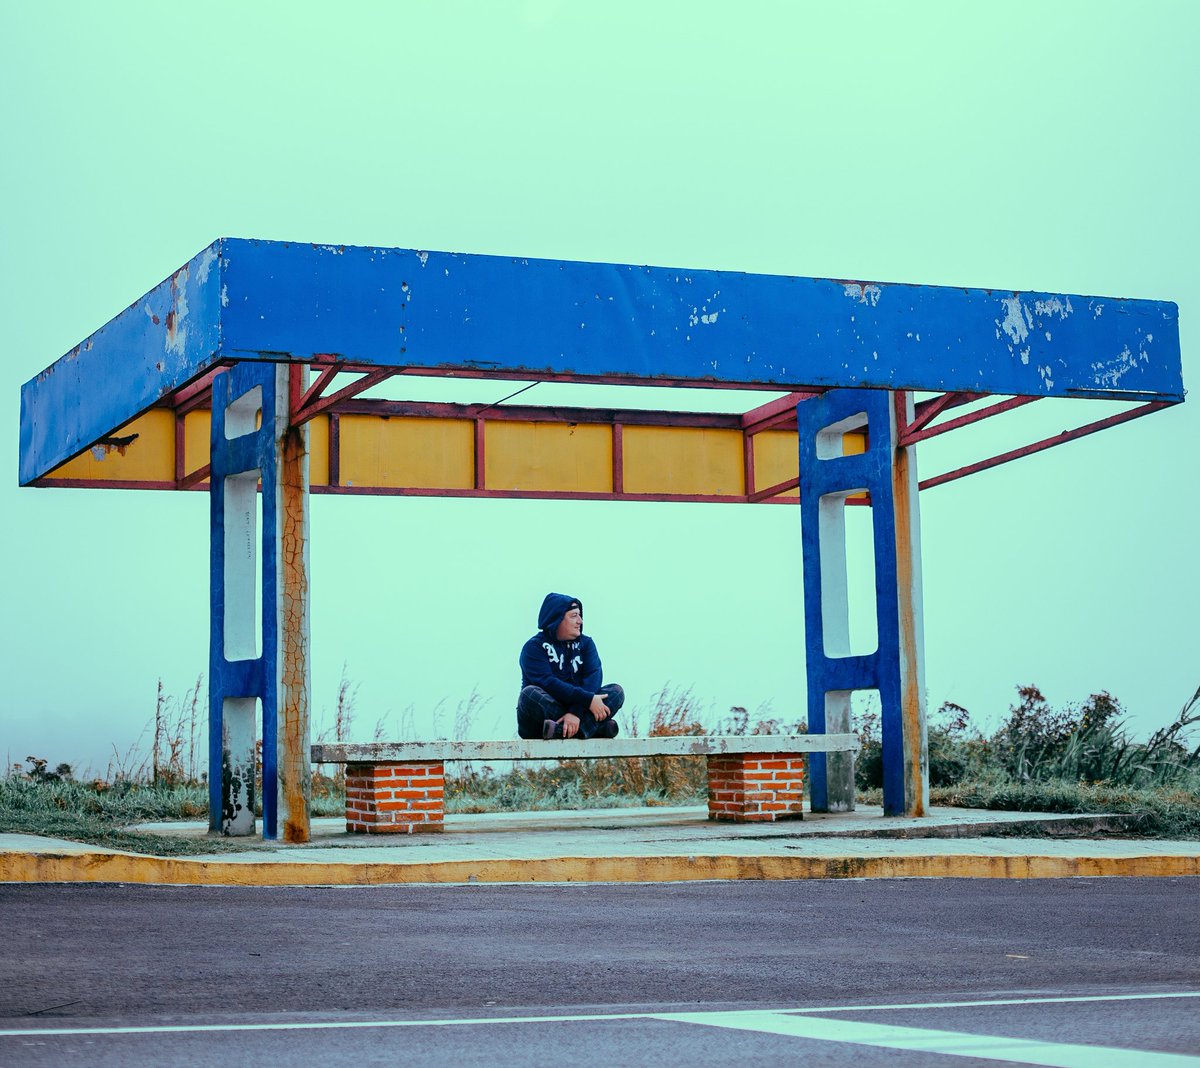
(570, 672)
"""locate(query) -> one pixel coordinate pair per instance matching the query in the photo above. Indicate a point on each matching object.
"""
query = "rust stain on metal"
(105, 446)
(915, 757)
(295, 772)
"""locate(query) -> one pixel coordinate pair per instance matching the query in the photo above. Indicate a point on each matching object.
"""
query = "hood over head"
(554, 607)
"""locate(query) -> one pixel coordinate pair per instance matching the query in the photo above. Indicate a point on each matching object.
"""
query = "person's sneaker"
(607, 729)
(550, 729)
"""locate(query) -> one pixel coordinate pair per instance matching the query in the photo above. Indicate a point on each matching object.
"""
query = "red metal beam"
(599, 380)
(925, 412)
(618, 458)
(197, 393)
(296, 390)
(910, 437)
(184, 479)
(773, 491)
(195, 478)
(531, 414)
(479, 454)
(780, 410)
(335, 449)
(200, 399)
(314, 391)
(345, 393)
(97, 483)
(900, 412)
(179, 447)
(959, 398)
(534, 495)
(1045, 443)
(346, 402)
(428, 371)
(194, 482)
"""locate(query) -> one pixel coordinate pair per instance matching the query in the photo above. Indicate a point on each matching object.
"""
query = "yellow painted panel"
(318, 451)
(148, 458)
(548, 456)
(197, 427)
(776, 459)
(407, 452)
(683, 460)
(852, 445)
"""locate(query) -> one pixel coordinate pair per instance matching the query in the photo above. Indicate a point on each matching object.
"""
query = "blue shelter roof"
(452, 313)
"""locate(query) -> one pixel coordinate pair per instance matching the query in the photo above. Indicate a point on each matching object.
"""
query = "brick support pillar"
(755, 787)
(395, 798)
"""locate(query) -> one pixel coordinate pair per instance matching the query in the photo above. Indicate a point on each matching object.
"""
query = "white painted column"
(239, 733)
(243, 626)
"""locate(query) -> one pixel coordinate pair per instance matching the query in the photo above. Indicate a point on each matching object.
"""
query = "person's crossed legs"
(535, 707)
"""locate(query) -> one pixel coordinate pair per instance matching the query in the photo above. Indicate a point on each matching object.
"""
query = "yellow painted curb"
(128, 868)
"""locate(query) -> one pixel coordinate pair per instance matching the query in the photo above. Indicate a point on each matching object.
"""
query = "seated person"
(562, 691)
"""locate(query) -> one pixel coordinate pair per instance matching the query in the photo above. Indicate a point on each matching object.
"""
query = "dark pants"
(535, 706)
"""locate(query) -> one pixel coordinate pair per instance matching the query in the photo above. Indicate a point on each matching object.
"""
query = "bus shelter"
(244, 374)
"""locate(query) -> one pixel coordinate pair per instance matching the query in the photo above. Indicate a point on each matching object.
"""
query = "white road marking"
(333, 1025)
(1059, 1000)
(322, 1025)
(927, 1040)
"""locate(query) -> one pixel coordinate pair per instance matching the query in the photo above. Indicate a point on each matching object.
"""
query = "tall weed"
(1037, 743)
(178, 726)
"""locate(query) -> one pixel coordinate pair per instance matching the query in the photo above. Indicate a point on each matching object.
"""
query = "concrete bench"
(399, 787)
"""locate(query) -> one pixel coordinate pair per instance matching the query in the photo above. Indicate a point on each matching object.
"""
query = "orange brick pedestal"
(395, 798)
(755, 787)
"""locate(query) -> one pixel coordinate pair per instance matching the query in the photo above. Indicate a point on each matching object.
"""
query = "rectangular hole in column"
(843, 438)
(860, 573)
(243, 576)
(244, 415)
(857, 711)
(866, 711)
(849, 620)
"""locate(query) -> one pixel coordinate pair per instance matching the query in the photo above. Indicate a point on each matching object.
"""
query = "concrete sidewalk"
(632, 845)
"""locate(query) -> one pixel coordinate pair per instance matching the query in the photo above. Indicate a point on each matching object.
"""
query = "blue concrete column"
(258, 643)
(894, 668)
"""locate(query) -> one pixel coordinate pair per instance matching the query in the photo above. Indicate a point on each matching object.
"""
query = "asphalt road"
(715, 973)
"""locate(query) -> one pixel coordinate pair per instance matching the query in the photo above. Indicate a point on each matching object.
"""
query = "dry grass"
(1070, 760)
(616, 781)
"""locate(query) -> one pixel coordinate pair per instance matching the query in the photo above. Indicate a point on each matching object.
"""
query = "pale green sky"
(1049, 146)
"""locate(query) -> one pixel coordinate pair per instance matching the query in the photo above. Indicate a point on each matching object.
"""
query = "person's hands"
(599, 709)
(570, 725)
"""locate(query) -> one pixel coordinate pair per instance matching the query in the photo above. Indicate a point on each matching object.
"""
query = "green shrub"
(957, 749)
(1037, 743)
